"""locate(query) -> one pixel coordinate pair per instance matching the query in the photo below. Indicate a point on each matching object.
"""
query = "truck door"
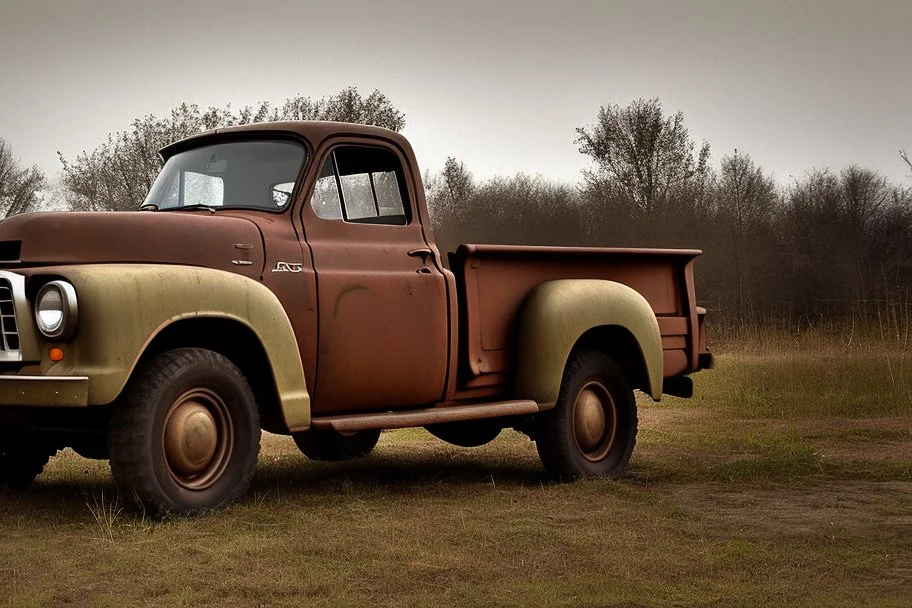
(382, 304)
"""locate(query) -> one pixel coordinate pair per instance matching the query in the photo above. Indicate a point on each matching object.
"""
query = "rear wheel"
(188, 435)
(319, 444)
(592, 429)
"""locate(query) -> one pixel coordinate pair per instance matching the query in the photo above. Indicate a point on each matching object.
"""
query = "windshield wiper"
(192, 207)
(148, 207)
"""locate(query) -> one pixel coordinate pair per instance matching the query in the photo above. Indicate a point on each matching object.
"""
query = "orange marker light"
(55, 354)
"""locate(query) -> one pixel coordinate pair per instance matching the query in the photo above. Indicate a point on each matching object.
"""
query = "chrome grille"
(8, 327)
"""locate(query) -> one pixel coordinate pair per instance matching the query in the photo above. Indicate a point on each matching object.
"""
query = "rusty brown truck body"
(285, 276)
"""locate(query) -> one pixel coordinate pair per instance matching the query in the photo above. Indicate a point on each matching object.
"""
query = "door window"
(363, 185)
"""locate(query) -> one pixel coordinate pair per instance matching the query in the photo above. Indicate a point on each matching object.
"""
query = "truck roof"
(314, 131)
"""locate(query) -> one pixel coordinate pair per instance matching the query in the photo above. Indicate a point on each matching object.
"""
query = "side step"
(435, 415)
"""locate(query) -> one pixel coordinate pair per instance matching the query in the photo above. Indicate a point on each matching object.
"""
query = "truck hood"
(198, 238)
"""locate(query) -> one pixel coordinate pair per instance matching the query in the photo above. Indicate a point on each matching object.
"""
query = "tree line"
(830, 245)
(117, 174)
(19, 185)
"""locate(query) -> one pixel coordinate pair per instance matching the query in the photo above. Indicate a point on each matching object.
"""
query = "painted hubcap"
(191, 438)
(590, 419)
(197, 438)
(594, 421)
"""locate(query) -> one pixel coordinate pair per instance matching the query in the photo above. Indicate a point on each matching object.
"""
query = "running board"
(434, 415)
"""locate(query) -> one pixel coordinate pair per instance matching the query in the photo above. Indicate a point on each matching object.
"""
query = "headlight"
(55, 310)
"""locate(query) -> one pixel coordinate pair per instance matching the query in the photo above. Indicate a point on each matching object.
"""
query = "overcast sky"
(501, 85)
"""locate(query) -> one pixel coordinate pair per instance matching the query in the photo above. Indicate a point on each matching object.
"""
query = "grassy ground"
(787, 480)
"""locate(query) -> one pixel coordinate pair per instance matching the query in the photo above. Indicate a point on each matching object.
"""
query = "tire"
(333, 446)
(187, 436)
(469, 434)
(20, 465)
(592, 429)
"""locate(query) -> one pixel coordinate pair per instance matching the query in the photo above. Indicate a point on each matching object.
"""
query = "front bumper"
(44, 391)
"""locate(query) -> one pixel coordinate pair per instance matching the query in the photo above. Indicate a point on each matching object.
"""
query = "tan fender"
(557, 313)
(122, 308)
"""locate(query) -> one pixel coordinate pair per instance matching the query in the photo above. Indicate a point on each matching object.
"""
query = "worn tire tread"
(554, 440)
(131, 468)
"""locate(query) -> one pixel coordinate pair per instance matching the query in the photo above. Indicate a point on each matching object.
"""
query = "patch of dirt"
(895, 452)
(897, 426)
(672, 419)
(864, 439)
(886, 440)
(816, 508)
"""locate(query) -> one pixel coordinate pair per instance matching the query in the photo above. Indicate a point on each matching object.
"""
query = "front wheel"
(187, 437)
(592, 429)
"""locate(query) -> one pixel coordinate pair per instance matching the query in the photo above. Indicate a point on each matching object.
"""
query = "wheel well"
(238, 343)
(618, 343)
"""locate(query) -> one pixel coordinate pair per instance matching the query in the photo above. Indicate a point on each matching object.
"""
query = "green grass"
(800, 385)
(771, 487)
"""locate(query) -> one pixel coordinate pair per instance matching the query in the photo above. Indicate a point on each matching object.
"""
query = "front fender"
(557, 313)
(122, 308)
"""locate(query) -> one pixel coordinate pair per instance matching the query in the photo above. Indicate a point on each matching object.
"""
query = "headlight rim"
(69, 309)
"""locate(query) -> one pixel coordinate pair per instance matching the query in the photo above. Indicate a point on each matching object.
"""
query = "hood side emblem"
(288, 267)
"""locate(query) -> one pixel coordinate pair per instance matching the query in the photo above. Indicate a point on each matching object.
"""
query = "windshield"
(250, 174)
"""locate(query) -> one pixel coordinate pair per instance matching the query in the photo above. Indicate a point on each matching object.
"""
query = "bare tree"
(865, 195)
(641, 153)
(19, 185)
(449, 197)
(117, 174)
(454, 186)
(746, 201)
(905, 157)
(833, 222)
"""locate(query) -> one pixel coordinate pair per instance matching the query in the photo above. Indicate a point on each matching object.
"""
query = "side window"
(363, 185)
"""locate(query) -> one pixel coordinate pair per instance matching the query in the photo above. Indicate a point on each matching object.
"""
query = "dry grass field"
(787, 481)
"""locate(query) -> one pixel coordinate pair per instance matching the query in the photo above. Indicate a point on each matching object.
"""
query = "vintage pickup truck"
(284, 277)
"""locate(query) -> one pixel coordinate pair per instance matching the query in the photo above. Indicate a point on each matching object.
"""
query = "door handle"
(424, 253)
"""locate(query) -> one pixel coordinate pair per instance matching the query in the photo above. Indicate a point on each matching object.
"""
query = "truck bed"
(493, 281)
